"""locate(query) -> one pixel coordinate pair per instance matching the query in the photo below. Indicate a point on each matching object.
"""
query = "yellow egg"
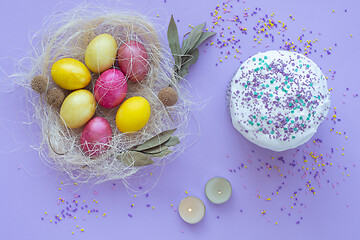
(133, 114)
(101, 52)
(78, 108)
(70, 74)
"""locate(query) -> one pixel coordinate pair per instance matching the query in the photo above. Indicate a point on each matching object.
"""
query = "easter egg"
(133, 114)
(70, 74)
(110, 88)
(100, 54)
(96, 136)
(133, 60)
(78, 108)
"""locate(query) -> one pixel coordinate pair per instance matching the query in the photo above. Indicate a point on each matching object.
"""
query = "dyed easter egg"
(133, 114)
(110, 88)
(133, 60)
(96, 136)
(70, 74)
(78, 108)
(100, 54)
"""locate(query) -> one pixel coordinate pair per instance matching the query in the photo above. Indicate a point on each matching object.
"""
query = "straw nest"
(67, 35)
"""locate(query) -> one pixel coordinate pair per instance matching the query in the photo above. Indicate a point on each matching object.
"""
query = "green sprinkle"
(255, 93)
(286, 82)
(260, 129)
(301, 118)
(267, 85)
(265, 57)
(272, 132)
(251, 122)
(269, 121)
(286, 78)
(290, 104)
(245, 86)
(254, 59)
(259, 96)
(308, 66)
(254, 117)
(271, 95)
(288, 86)
(293, 137)
(258, 124)
(292, 111)
(285, 129)
(296, 70)
(257, 69)
(276, 87)
(261, 93)
(295, 129)
(291, 80)
(311, 84)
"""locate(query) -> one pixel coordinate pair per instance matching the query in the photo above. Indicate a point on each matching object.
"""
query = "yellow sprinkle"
(74, 217)
(228, 27)
(61, 182)
(72, 232)
(45, 213)
(157, 15)
(268, 199)
(76, 184)
(220, 60)
(225, 57)
(153, 207)
(151, 174)
(77, 226)
(59, 189)
(60, 218)
(207, 29)
(132, 205)
(333, 11)
(171, 205)
(82, 230)
(88, 211)
(50, 220)
(186, 192)
(276, 223)
(104, 214)
(84, 200)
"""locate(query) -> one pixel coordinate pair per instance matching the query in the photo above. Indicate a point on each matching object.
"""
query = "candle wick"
(219, 192)
(190, 209)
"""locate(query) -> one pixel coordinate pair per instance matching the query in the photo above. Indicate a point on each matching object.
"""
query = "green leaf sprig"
(188, 54)
(157, 146)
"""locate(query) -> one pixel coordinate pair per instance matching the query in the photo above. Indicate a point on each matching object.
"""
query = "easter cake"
(278, 99)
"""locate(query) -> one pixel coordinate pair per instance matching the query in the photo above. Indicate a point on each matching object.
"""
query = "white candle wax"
(191, 210)
(218, 190)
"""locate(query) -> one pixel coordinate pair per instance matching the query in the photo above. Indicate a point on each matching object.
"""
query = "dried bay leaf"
(203, 37)
(172, 141)
(155, 149)
(156, 140)
(161, 154)
(194, 36)
(174, 44)
(194, 55)
(136, 159)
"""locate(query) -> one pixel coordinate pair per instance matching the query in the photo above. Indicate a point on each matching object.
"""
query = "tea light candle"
(191, 209)
(218, 190)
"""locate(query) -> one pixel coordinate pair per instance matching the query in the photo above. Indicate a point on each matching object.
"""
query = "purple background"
(29, 188)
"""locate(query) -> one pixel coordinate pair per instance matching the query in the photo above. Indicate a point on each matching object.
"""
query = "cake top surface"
(278, 99)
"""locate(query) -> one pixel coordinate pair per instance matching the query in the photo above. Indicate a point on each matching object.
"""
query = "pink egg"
(133, 60)
(110, 88)
(96, 136)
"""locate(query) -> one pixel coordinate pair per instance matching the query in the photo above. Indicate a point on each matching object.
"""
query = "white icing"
(259, 119)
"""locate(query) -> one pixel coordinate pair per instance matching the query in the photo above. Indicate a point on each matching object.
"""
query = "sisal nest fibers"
(67, 35)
